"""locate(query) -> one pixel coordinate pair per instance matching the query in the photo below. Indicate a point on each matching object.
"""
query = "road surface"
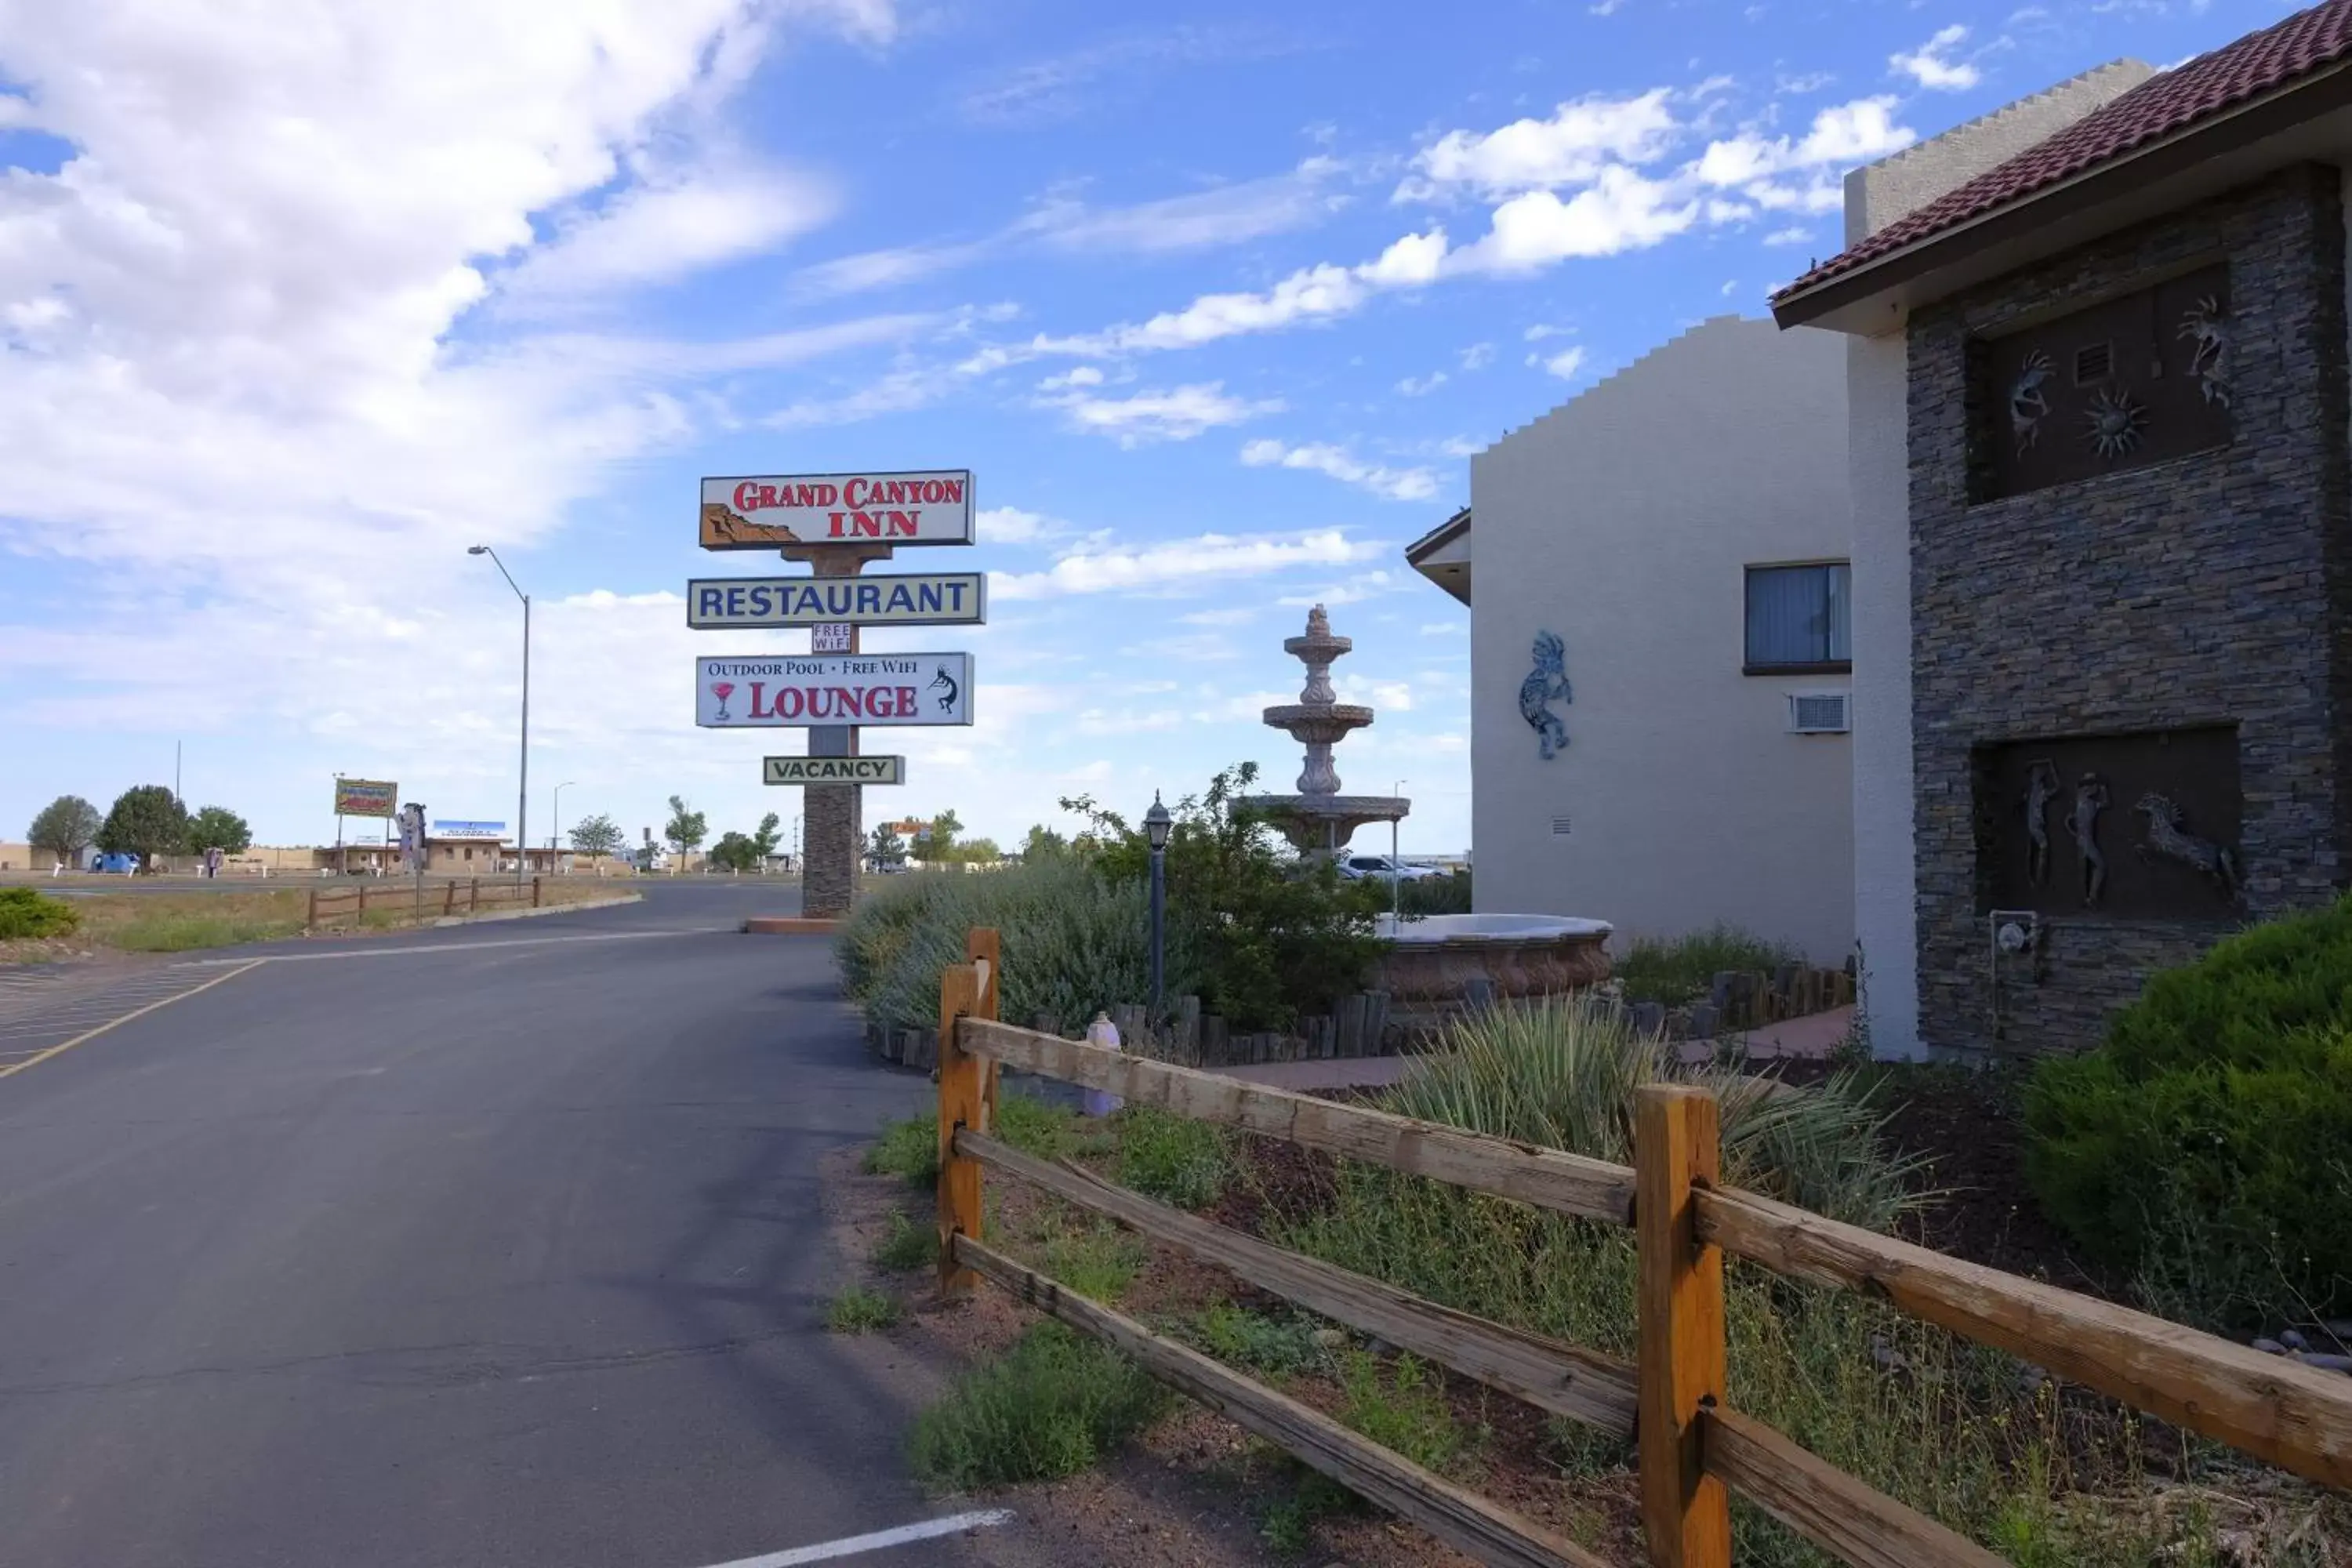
(497, 1246)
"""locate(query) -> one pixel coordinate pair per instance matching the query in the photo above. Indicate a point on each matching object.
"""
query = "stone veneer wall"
(2209, 589)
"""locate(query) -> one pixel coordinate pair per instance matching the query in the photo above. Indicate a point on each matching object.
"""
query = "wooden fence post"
(983, 946)
(962, 1104)
(473, 895)
(448, 900)
(362, 906)
(1686, 1512)
(534, 892)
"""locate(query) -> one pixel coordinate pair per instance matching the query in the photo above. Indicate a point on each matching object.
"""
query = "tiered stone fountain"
(1436, 964)
(1318, 820)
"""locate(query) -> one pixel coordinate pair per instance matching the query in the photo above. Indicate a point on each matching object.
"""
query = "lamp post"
(522, 780)
(555, 821)
(1396, 868)
(1156, 825)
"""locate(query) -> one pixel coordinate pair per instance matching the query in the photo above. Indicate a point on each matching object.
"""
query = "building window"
(1797, 619)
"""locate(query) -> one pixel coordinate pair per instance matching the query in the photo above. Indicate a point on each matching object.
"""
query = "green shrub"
(1275, 1347)
(1682, 970)
(1172, 1158)
(910, 1149)
(1446, 894)
(1097, 1261)
(26, 913)
(907, 1247)
(858, 1311)
(2208, 1143)
(1403, 1408)
(1050, 1407)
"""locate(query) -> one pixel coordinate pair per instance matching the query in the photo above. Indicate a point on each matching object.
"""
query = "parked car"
(1380, 867)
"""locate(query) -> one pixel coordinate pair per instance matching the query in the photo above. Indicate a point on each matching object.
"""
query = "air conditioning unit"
(1821, 712)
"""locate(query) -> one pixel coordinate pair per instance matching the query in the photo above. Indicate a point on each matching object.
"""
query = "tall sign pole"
(834, 836)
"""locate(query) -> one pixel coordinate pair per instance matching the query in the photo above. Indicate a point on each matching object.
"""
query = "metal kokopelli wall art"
(1546, 684)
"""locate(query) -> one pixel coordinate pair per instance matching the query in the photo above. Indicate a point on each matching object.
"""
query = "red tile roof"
(2168, 102)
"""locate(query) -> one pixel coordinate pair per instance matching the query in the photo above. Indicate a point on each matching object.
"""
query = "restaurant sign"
(789, 690)
(767, 512)
(833, 770)
(915, 599)
(366, 797)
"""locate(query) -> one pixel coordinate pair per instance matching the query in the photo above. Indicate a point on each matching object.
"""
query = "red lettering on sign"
(906, 702)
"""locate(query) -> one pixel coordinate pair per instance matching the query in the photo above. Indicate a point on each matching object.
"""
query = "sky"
(300, 298)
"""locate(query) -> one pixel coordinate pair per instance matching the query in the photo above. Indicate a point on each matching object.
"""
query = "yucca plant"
(1559, 1074)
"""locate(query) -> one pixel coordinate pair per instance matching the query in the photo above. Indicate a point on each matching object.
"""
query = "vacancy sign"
(918, 599)
(766, 511)
(833, 770)
(786, 690)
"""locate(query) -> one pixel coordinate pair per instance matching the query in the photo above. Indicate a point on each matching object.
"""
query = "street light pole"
(522, 780)
(555, 821)
(1156, 825)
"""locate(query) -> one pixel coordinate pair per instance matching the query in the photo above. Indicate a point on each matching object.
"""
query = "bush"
(26, 913)
(858, 1311)
(909, 1149)
(1273, 1347)
(1446, 894)
(1682, 970)
(907, 1247)
(1049, 1408)
(2208, 1143)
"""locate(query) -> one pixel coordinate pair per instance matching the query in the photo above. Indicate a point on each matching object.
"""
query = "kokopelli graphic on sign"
(947, 702)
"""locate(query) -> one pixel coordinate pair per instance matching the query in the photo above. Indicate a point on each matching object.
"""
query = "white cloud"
(1563, 364)
(1389, 484)
(1623, 210)
(1572, 147)
(1076, 375)
(1178, 414)
(1795, 235)
(1420, 386)
(658, 231)
(1182, 561)
(1478, 356)
(1928, 66)
(1011, 525)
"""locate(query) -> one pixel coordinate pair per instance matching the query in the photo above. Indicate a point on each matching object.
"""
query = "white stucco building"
(1683, 528)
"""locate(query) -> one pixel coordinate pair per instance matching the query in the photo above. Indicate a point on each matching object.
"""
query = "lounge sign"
(833, 770)
(766, 511)
(786, 690)
(916, 599)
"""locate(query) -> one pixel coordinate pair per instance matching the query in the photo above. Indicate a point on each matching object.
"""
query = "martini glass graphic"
(723, 689)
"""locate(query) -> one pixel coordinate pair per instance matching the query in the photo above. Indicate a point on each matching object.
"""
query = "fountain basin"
(1432, 961)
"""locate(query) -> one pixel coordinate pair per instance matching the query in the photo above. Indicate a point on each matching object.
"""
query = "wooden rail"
(406, 898)
(1694, 1448)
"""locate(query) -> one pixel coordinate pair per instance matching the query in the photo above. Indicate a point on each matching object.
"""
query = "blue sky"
(1214, 300)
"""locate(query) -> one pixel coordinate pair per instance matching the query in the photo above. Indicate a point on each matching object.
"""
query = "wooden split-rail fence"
(1693, 1448)
(420, 902)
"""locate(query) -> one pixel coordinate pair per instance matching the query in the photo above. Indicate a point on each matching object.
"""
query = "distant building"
(1682, 529)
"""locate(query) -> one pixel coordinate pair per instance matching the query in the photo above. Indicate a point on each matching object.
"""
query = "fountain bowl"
(1431, 961)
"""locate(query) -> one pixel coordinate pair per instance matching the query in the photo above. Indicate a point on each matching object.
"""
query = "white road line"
(955, 1524)
(476, 946)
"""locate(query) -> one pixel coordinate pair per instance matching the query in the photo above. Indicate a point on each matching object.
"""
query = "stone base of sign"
(831, 839)
(788, 925)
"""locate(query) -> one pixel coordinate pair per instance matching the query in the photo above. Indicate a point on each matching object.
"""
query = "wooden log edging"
(1461, 1518)
(1570, 1183)
(1565, 1379)
(2294, 1417)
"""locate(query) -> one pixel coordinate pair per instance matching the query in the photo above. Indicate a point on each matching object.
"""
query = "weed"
(907, 1247)
(1405, 1412)
(1584, 1453)
(1275, 1347)
(910, 1149)
(1099, 1261)
(1050, 1407)
(858, 1311)
(1682, 970)
(1035, 1127)
(1173, 1158)
(1286, 1527)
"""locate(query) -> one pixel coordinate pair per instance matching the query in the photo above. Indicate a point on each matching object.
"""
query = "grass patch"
(858, 1311)
(1173, 1158)
(1099, 1261)
(1050, 1407)
(1271, 1347)
(1403, 1408)
(1683, 969)
(907, 1247)
(909, 1149)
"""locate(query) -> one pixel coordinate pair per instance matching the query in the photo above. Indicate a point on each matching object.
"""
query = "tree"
(218, 827)
(597, 836)
(940, 845)
(147, 820)
(67, 825)
(886, 848)
(686, 829)
(735, 852)
(763, 842)
(1042, 844)
(979, 851)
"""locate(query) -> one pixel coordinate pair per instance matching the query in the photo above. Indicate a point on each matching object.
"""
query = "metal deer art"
(2040, 789)
(2083, 821)
(2166, 839)
(2207, 325)
(1546, 684)
(2028, 405)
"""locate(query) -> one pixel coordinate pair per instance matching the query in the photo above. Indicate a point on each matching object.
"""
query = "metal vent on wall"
(2094, 363)
(1819, 712)
(1559, 827)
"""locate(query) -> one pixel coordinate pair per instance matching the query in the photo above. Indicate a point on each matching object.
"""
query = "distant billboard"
(366, 797)
(491, 831)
